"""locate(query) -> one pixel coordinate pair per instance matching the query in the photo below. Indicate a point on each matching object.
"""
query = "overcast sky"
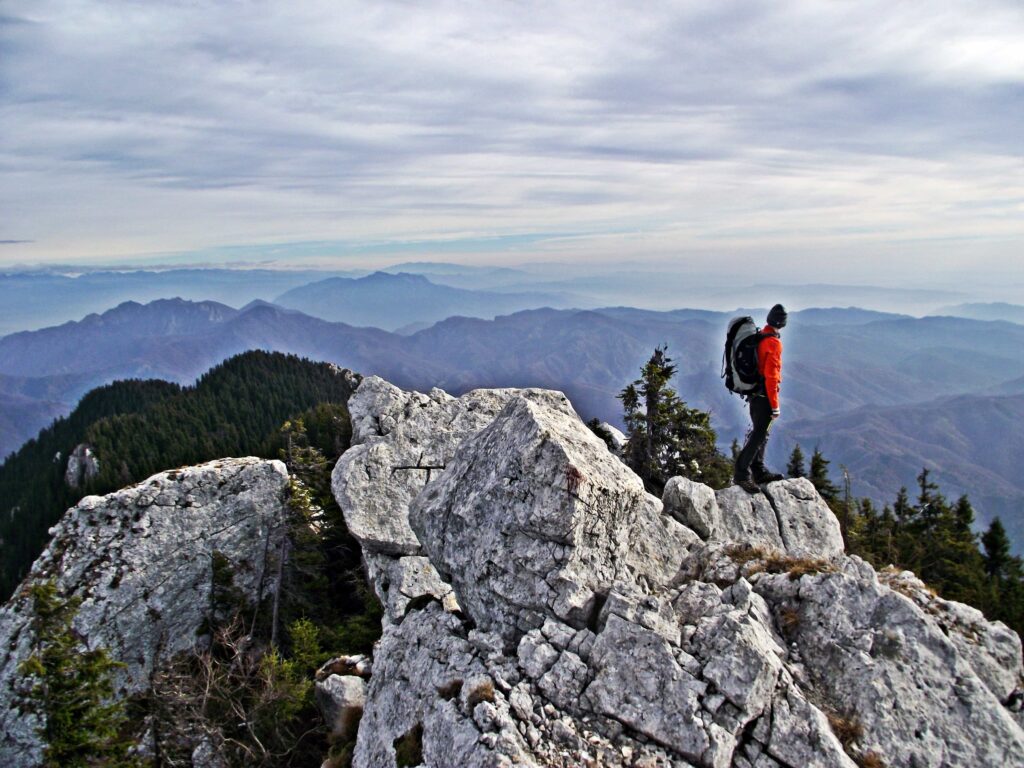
(845, 141)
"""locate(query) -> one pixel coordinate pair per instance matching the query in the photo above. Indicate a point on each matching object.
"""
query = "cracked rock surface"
(542, 609)
(140, 560)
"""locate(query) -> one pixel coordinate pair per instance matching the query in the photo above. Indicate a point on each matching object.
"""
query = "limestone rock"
(400, 442)
(692, 504)
(806, 524)
(405, 581)
(890, 667)
(789, 517)
(341, 699)
(533, 515)
(747, 519)
(639, 682)
(140, 560)
(598, 628)
(618, 438)
(427, 684)
(991, 648)
(82, 465)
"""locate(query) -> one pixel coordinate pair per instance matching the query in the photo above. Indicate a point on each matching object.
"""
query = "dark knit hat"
(777, 316)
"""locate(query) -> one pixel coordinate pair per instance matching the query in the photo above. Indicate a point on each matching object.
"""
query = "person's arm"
(772, 347)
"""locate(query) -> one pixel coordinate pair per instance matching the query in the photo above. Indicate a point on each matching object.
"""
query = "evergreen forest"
(136, 428)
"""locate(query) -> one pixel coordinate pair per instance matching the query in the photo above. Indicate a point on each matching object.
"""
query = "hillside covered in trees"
(136, 428)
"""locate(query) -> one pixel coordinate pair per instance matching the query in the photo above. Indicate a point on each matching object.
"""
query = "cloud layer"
(882, 135)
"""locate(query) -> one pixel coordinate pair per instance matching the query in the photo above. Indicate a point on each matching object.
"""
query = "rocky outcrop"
(141, 562)
(400, 442)
(542, 609)
(546, 524)
(82, 465)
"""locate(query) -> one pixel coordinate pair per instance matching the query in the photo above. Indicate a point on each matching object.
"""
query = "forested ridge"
(139, 427)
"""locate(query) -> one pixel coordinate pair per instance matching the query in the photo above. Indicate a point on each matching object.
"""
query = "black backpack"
(739, 361)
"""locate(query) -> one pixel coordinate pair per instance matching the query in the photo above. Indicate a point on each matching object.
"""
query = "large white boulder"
(534, 516)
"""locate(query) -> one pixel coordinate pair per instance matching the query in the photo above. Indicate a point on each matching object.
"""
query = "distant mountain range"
(35, 299)
(30, 300)
(852, 378)
(1013, 313)
(392, 301)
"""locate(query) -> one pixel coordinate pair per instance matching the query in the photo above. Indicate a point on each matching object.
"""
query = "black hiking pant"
(752, 455)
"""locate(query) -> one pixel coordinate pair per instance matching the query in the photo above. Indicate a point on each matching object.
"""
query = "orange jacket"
(769, 363)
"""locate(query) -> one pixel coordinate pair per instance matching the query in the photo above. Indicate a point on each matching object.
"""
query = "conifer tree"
(997, 549)
(665, 436)
(796, 467)
(819, 477)
(72, 690)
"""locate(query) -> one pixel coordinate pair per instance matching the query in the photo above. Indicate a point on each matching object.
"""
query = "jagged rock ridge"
(543, 610)
(140, 559)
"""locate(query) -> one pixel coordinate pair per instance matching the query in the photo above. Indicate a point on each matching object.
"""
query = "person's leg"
(761, 418)
(757, 467)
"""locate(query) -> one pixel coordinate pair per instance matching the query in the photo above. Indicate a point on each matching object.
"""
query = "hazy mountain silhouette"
(31, 300)
(1013, 313)
(391, 301)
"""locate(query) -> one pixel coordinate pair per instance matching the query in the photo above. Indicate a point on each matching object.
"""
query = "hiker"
(764, 406)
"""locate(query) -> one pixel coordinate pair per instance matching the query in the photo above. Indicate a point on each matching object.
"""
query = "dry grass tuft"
(483, 692)
(768, 561)
(789, 619)
(870, 760)
(450, 690)
(409, 747)
(741, 554)
(847, 729)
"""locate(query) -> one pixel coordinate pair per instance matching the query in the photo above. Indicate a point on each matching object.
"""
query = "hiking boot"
(748, 485)
(769, 477)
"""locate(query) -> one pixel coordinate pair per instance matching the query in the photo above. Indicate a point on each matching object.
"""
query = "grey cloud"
(317, 116)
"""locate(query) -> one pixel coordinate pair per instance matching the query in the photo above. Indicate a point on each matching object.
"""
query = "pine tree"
(665, 436)
(997, 549)
(796, 467)
(72, 690)
(819, 477)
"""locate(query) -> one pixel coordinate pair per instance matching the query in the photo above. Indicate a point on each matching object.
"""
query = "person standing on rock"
(764, 406)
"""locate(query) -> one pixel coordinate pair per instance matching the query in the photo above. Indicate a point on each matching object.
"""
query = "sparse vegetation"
(71, 689)
(870, 760)
(761, 560)
(789, 619)
(847, 729)
(450, 690)
(483, 691)
(409, 747)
